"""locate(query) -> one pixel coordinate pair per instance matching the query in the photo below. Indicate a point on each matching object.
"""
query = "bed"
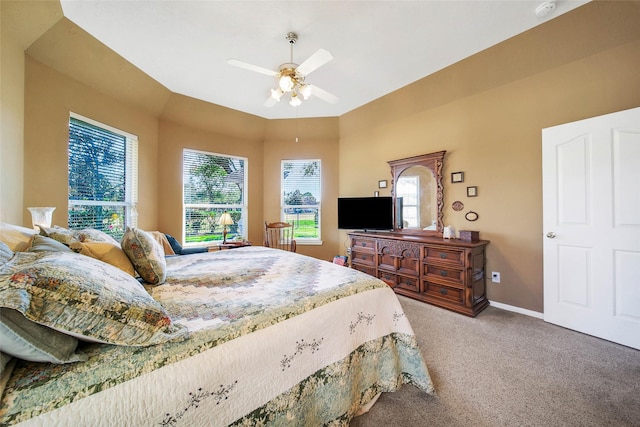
(249, 336)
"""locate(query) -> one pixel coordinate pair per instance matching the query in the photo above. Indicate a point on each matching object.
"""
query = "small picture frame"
(457, 177)
(382, 183)
(472, 191)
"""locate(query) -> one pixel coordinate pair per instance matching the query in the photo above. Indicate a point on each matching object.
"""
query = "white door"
(591, 225)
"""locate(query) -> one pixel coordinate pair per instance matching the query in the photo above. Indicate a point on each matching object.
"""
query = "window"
(301, 198)
(212, 185)
(408, 188)
(103, 177)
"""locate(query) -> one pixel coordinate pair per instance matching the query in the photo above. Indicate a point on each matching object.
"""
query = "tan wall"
(11, 131)
(49, 98)
(317, 139)
(491, 130)
(174, 138)
(14, 39)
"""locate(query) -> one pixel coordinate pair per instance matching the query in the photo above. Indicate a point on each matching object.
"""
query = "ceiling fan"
(291, 76)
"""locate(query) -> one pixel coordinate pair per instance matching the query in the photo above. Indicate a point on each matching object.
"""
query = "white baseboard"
(515, 309)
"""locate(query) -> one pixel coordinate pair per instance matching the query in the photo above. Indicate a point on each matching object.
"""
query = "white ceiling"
(378, 46)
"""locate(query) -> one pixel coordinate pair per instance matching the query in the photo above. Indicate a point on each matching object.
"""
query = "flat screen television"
(365, 213)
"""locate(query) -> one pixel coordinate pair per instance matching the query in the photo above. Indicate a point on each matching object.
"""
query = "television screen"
(365, 213)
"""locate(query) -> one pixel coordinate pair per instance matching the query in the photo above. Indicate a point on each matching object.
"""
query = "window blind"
(301, 195)
(102, 177)
(212, 185)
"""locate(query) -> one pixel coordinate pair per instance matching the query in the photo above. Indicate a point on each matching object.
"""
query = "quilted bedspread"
(276, 338)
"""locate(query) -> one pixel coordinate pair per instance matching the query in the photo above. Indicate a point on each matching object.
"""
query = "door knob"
(551, 235)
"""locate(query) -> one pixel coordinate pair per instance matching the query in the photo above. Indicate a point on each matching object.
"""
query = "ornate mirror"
(417, 193)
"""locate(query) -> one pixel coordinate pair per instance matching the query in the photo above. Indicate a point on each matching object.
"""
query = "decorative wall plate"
(471, 216)
(457, 206)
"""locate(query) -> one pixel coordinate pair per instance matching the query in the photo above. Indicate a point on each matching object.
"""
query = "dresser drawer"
(444, 292)
(364, 268)
(363, 244)
(408, 283)
(443, 254)
(388, 278)
(450, 276)
(366, 258)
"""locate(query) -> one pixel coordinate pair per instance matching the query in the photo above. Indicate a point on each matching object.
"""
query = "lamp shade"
(305, 91)
(295, 100)
(41, 216)
(286, 83)
(225, 219)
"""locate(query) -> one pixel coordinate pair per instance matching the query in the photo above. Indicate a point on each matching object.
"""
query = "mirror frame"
(432, 161)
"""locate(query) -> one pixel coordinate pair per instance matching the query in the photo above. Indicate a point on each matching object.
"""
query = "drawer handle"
(443, 255)
(443, 291)
(443, 273)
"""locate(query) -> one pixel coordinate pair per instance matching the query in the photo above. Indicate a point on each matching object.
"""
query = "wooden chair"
(279, 235)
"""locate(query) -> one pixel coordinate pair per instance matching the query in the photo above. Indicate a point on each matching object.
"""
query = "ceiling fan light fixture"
(276, 94)
(305, 91)
(295, 100)
(285, 83)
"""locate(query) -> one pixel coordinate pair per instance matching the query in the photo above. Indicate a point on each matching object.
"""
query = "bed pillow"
(41, 243)
(146, 255)
(108, 252)
(17, 238)
(93, 235)
(5, 253)
(24, 339)
(85, 298)
(161, 238)
(61, 234)
(4, 359)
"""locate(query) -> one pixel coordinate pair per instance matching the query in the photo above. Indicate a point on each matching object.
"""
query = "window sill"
(308, 242)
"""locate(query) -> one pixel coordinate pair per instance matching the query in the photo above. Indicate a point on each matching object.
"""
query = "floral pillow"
(85, 298)
(59, 234)
(93, 235)
(146, 255)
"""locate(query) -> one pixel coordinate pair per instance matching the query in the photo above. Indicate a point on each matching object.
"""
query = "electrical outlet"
(495, 277)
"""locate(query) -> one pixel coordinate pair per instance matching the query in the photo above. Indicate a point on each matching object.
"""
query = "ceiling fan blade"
(251, 67)
(270, 102)
(324, 95)
(314, 62)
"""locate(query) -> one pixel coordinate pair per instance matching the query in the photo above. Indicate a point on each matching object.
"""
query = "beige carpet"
(508, 369)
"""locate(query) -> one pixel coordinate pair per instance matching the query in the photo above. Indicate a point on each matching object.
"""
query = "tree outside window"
(301, 198)
(102, 177)
(212, 185)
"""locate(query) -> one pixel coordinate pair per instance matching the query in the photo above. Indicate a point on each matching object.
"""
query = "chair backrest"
(279, 235)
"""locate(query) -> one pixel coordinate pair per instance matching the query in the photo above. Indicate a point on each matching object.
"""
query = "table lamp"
(225, 220)
(41, 216)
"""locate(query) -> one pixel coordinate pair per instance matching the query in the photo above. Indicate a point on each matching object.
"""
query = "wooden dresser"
(442, 272)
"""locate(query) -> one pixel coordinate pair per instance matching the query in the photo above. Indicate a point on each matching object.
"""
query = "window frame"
(244, 206)
(318, 206)
(131, 171)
